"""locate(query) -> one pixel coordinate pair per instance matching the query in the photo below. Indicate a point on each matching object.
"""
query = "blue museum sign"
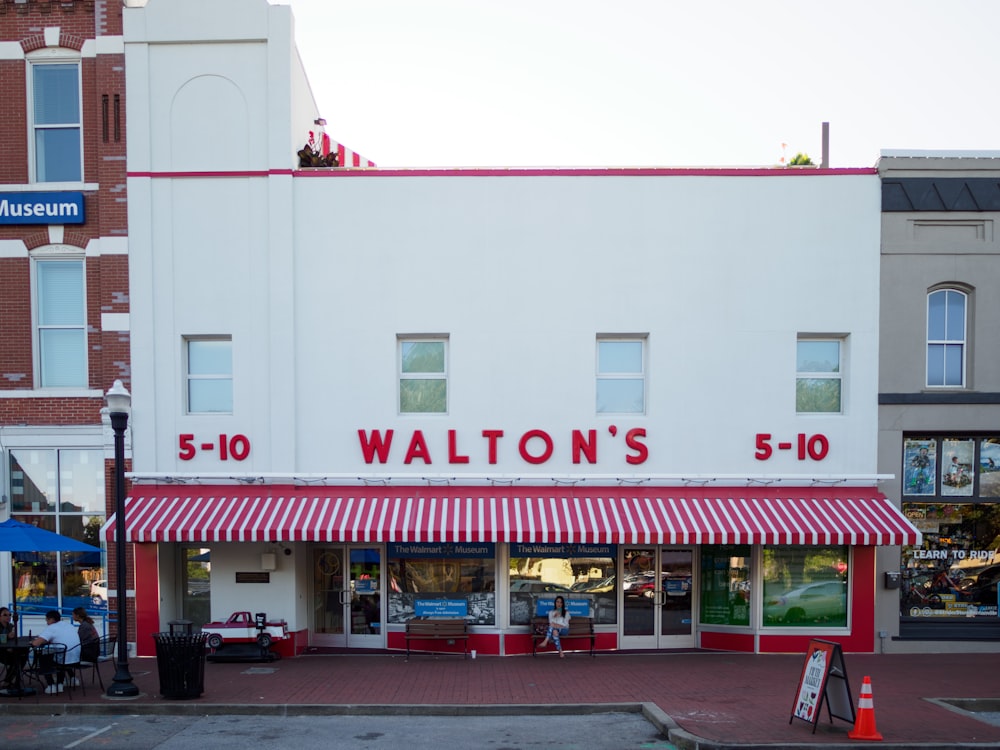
(41, 208)
(441, 608)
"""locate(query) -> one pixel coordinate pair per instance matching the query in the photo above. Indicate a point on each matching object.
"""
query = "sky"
(650, 83)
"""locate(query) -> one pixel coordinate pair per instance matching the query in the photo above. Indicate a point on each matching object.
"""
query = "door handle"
(345, 597)
(661, 598)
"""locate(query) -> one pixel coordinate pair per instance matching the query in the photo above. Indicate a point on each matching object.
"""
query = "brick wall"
(103, 109)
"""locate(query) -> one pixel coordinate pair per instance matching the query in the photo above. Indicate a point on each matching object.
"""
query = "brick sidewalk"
(729, 699)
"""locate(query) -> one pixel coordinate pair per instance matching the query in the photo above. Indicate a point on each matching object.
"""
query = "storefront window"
(950, 493)
(954, 573)
(60, 491)
(725, 584)
(805, 586)
(442, 580)
(583, 574)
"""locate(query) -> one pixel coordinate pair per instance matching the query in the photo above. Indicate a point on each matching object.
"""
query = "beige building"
(939, 398)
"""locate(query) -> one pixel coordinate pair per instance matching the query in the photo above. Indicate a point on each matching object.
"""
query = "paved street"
(610, 731)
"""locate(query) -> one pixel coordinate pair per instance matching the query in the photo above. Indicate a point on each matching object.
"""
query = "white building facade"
(364, 395)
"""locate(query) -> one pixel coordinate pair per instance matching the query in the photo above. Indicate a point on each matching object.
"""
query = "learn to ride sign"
(824, 677)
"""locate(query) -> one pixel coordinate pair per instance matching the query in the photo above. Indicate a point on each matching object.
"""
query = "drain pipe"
(825, 161)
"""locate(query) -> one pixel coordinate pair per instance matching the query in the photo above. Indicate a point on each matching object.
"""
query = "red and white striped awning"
(607, 515)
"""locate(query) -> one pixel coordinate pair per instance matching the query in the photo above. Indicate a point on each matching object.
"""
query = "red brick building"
(64, 295)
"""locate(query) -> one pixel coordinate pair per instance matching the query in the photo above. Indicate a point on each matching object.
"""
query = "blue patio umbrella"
(23, 537)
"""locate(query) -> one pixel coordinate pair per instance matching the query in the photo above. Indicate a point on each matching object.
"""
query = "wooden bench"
(437, 630)
(579, 627)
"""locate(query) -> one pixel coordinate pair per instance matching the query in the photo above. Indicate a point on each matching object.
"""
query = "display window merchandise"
(952, 494)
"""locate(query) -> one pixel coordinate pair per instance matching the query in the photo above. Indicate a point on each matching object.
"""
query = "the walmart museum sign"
(41, 208)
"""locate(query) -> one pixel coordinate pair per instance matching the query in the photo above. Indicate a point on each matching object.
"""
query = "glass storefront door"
(347, 597)
(657, 597)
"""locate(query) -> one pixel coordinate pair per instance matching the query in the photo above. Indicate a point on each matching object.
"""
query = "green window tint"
(725, 584)
(423, 356)
(818, 383)
(423, 377)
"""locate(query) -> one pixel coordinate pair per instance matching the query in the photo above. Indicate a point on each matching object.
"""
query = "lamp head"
(118, 398)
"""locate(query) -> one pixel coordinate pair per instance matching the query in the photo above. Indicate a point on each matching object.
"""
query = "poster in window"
(989, 467)
(957, 467)
(919, 467)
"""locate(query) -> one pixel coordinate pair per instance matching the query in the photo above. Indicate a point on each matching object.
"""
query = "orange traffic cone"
(864, 727)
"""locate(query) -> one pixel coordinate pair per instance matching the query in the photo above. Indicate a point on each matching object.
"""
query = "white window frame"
(401, 341)
(57, 56)
(57, 254)
(189, 376)
(962, 343)
(599, 376)
(810, 375)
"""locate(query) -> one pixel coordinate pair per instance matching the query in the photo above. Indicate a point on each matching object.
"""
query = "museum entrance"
(657, 597)
(347, 596)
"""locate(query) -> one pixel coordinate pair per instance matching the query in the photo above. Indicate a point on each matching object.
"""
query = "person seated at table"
(90, 641)
(58, 631)
(9, 659)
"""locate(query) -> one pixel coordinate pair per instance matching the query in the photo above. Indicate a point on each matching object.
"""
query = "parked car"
(241, 627)
(99, 593)
(815, 601)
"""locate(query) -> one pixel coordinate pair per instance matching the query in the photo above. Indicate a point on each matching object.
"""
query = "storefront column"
(147, 598)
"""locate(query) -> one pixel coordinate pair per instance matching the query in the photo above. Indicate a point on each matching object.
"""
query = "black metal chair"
(48, 663)
(105, 652)
(76, 661)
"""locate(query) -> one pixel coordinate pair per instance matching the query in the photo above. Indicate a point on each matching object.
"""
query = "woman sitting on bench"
(558, 625)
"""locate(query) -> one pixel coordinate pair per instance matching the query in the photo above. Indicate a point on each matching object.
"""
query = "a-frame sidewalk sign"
(824, 677)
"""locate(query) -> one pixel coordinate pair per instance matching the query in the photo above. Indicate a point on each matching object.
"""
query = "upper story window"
(60, 323)
(55, 120)
(423, 376)
(209, 375)
(819, 376)
(621, 376)
(946, 327)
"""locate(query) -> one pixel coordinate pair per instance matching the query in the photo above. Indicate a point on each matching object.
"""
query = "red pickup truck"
(242, 627)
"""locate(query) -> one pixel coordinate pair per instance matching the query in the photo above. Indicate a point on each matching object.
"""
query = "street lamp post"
(119, 400)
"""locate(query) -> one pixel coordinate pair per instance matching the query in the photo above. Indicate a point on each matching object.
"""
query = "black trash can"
(180, 657)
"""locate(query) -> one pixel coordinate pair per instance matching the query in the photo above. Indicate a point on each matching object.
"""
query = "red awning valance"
(608, 515)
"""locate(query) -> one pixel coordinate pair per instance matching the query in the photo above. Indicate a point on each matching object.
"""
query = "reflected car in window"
(99, 593)
(982, 588)
(538, 587)
(599, 586)
(675, 586)
(815, 601)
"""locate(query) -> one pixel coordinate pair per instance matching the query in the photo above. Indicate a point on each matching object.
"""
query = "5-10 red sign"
(807, 446)
(236, 447)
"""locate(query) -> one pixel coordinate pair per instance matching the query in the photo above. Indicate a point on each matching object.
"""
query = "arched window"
(947, 310)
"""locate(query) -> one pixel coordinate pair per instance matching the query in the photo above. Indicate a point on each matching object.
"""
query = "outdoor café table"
(16, 649)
